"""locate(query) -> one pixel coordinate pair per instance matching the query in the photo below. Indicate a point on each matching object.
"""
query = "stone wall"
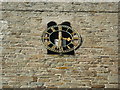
(25, 63)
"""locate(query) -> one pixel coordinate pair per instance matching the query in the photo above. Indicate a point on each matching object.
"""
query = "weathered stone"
(77, 6)
(37, 56)
(98, 86)
(43, 80)
(111, 86)
(62, 67)
(7, 86)
(34, 79)
(50, 87)
(113, 79)
(24, 78)
(25, 63)
(56, 71)
(36, 84)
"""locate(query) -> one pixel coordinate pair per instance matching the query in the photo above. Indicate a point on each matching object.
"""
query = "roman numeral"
(47, 43)
(61, 48)
(45, 37)
(53, 47)
(74, 43)
(73, 33)
(75, 38)
(52, 29)
(47, 33)
(67, 29)
(59, 27)
(68, 46)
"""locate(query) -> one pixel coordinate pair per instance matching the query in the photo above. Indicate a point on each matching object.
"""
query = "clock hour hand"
(68, 39)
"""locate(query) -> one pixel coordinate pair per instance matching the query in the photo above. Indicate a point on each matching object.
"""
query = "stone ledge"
(53, 88)
(60, 6)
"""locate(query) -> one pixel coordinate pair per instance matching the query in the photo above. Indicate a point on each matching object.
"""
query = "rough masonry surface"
(25, 63)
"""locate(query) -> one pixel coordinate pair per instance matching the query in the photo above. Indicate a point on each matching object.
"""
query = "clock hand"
(68, 39)
(60, 39)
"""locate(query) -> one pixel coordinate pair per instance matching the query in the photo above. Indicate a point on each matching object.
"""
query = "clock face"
(61, 39)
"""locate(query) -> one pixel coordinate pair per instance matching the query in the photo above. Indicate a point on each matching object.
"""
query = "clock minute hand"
(60, 39)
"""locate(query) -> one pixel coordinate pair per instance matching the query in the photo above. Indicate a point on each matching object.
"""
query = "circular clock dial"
(54, 38)
(61, 39)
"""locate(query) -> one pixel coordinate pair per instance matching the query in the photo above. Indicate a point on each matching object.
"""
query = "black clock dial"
(54, 37)
(61, 39)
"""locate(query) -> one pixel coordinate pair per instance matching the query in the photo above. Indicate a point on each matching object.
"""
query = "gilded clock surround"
(61, 39)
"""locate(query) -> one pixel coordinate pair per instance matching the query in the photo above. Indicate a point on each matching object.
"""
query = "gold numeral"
(52, 29)
(75, 44)
(67, 29)
(61, 48)
(46, 37)
(60, 27)
(53, 47)
(75, 38)
(47, 33)
(68, 46)
(73, 33)
(47, 43)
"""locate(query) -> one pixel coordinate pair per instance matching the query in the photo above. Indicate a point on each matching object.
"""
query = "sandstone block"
(97, 86)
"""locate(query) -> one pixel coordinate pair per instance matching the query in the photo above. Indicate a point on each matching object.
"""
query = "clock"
(61, 39)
